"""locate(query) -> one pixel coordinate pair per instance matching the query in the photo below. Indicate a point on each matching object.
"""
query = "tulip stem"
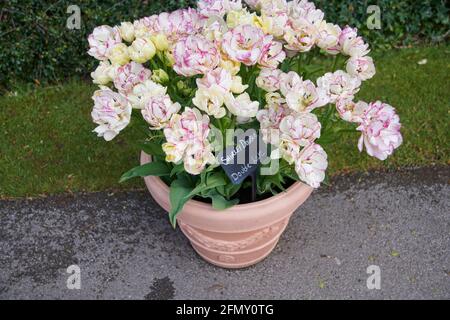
(153, 64)
(335, 62)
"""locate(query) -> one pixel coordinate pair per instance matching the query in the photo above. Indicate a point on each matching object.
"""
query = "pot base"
(242, 264)
(234, 250)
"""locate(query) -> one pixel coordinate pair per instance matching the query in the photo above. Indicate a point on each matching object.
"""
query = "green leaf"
(326, 181)
(229, 190)
(179, 194)
(290, 172)
(182, 190)
(211, 167)
(226, 122)
(152, 148)
(212, 181)
(219, 202)
(177, 169)
(267, 183)
(325, 117)
(209, 181)
(285, 65)
(311, 69)
(215, 179)
(328, 138)
(203, 177)
(156, 168)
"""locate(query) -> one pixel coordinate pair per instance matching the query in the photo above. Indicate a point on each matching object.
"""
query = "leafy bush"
(37, 46)
(403, 22)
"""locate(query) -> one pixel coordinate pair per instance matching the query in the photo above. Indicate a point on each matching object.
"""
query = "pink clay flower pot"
(237, 237)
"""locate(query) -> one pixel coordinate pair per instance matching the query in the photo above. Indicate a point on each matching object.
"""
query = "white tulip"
(102, 74)
(210, 100)
(119, 54)
(126, 30)
(311, 164)
(241, 105)
(361, 67)
(142, 50)
(143, 91)
(111, 112)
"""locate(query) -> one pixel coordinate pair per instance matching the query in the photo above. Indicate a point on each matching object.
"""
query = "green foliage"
(157, 168)
(37, 46)
(153, 148)
(403, 22)
(180, 189)
(184, 187)
(218, 201)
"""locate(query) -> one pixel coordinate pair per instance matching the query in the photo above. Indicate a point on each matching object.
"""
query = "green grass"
(47, 145)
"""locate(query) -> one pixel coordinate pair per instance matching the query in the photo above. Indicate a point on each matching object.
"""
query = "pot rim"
(238, 207)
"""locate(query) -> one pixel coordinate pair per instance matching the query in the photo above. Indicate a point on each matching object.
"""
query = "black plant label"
(244, 157)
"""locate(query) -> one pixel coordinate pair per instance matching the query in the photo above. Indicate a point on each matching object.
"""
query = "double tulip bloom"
(187, 140)
(147, 65)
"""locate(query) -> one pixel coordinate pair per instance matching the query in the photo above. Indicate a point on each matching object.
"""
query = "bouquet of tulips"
(192, 75)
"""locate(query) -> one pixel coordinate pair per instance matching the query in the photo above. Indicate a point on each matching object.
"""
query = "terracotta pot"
(239, 236)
